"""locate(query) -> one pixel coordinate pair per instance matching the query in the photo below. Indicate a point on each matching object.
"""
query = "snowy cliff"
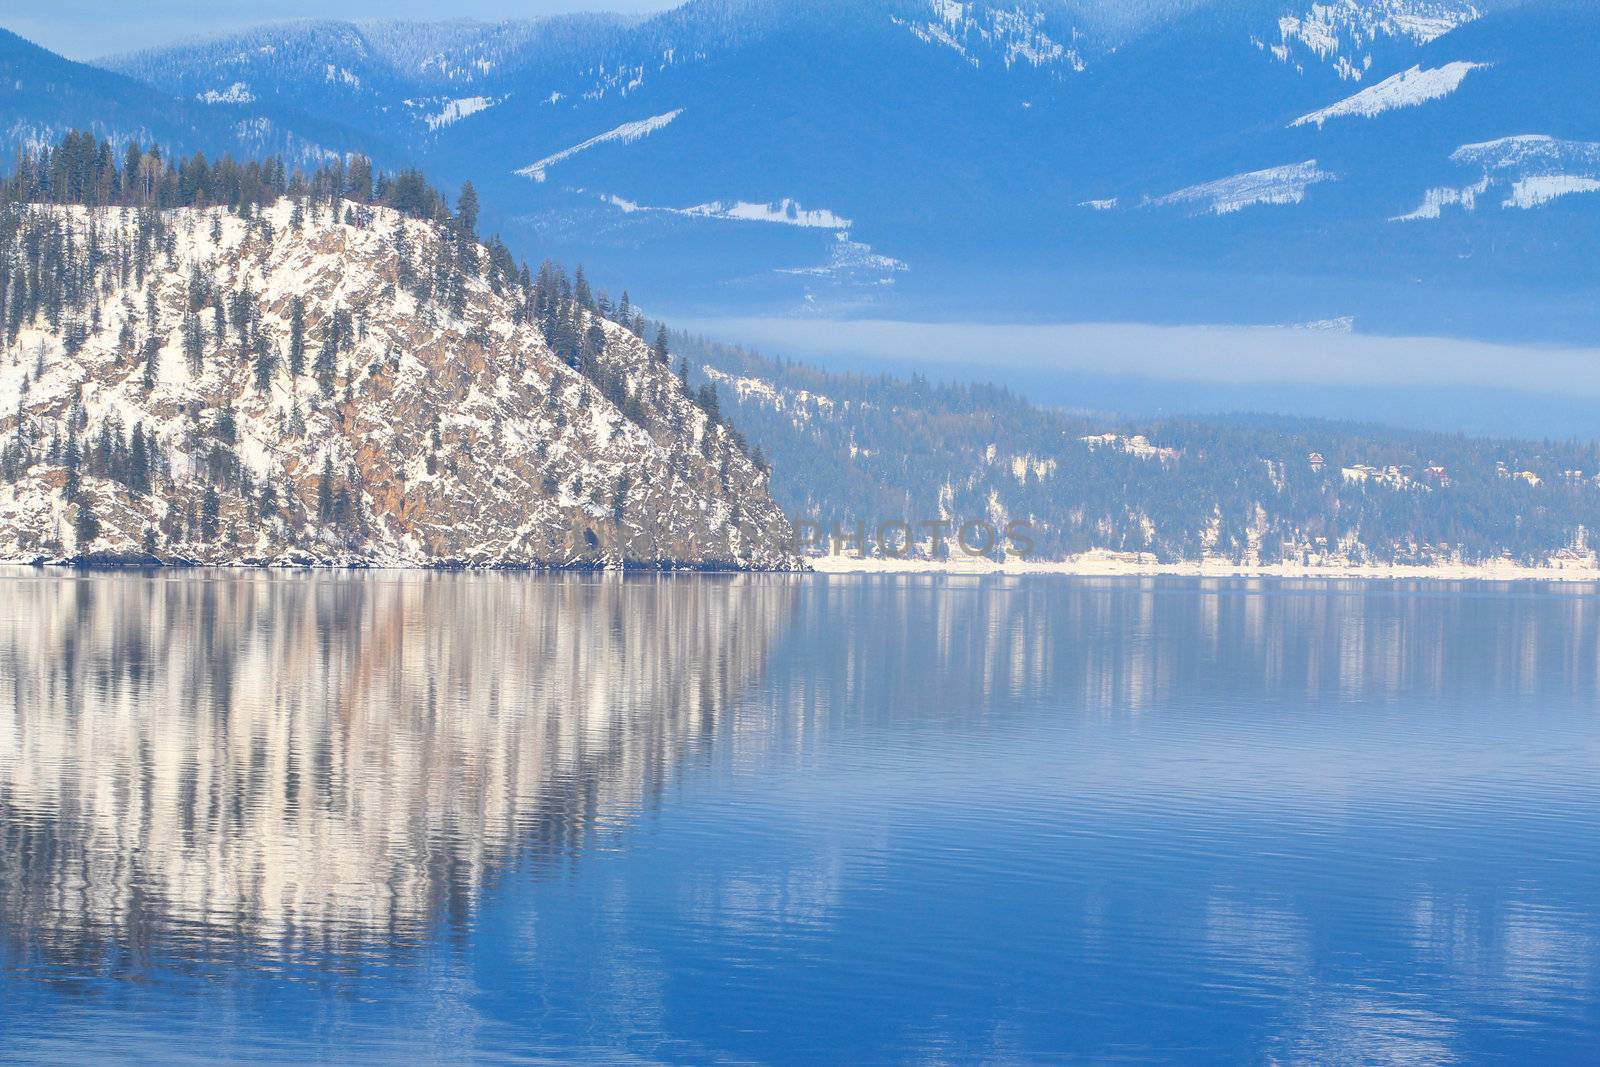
(339, 384)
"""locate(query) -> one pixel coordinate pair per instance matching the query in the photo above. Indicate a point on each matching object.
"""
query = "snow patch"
(627, 133)
(1275, 185)
(1530, 152)
(853, 262)
(456, 110)
(1015, 35)
(338, 75)
(786, 212)
(1538, 191)
(1341, 33)
(1435, 200)
(1409, 88)
(237, 93)
(1537, 167)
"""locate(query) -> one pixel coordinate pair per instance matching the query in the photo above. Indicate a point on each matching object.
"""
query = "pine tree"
(85, 527)
(210, 513)
(709, 403)
(325, 491)
(358, 179)
(152, 361)
(266, 363)
(333, 336)
(619, 499)
(193, 344)
(467, 212)
(72, 460)
(580, 290)
(660, 347)
(139, 461)
(297, 336)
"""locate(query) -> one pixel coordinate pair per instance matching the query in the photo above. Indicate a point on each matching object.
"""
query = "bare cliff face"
(338, 384)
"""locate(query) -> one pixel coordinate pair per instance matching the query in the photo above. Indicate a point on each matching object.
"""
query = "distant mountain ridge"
(1192, 160)
(854, 453)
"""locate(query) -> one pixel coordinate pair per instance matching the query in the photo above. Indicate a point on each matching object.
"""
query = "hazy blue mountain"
(1185, 160)
(43, 96)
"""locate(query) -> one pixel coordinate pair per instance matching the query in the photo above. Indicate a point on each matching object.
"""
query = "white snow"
(785, 212)
(1340, 33)
(802, 406)
(1275, 185)
(1530, 152)
(456, 110)
(1537, 168)
(854, 262)
(1435, 200)
(333, 74)
(1409, 88)
(1424, 28)
(1015, 35)
(1538, 191)
(237, 93)
(1138, 446)
(500, 428)
(627, 133)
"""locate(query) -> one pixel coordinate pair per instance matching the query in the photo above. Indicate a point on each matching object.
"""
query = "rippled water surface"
(430, 817)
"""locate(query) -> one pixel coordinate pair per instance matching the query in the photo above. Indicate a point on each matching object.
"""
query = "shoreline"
(1090, 566)
(1102, 566)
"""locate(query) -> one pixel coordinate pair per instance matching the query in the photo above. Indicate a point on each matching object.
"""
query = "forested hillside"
(849, 448)
(238, 362)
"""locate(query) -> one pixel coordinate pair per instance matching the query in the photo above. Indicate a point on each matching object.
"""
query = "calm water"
(781, 820)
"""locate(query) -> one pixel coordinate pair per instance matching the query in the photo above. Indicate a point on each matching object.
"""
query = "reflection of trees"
(297, 760)
(313, 760)
(914, 648)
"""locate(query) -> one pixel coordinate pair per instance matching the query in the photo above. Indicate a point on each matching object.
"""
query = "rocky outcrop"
(336, 384)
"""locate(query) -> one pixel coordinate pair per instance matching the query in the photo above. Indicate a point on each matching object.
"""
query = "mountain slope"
(318, 382)
(44, 96)
(854, 453)
(1042, 159)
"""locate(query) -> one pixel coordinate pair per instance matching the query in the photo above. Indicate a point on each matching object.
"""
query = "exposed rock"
(432, 422)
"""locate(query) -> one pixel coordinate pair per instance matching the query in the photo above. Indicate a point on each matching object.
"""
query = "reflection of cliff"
(315, 760)
(312, 760)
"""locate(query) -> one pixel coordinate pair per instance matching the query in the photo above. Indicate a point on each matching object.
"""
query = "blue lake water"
(509, 818)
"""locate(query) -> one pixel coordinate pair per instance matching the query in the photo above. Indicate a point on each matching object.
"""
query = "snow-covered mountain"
(1195, 160)
(306, 384)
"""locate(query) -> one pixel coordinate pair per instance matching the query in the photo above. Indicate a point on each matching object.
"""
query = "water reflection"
(777, 819)
(1121, 648)
(310, 762)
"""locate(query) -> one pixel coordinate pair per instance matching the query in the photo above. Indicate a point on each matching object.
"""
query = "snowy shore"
(1108, 565)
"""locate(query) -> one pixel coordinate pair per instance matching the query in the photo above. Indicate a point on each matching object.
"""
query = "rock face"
(339, 384)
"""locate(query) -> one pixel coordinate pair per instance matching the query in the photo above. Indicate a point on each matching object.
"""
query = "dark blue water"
(506, 818)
